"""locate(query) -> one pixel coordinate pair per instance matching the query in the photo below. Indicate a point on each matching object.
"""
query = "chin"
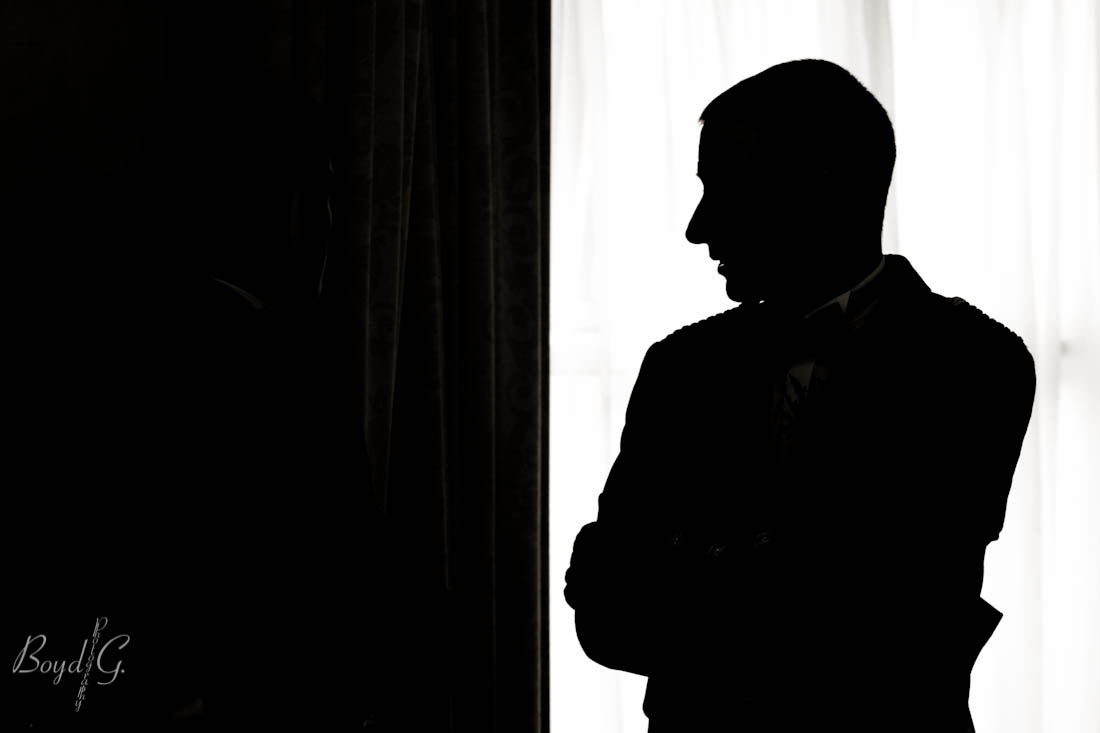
(738, 293)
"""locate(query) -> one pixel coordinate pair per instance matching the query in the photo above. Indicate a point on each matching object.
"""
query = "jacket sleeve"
(1004, 402)
(617, 571)
(966, 470)
(890, 581)
(985, 440)
(983, 417)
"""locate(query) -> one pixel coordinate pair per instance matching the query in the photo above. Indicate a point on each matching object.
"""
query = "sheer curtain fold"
(995, 108)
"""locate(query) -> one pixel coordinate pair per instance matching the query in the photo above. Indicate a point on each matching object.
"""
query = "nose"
(695, 232)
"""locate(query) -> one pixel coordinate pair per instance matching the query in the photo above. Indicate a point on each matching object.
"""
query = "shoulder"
(971, 325)
(979, 339)
(704, 334)
(689, 347)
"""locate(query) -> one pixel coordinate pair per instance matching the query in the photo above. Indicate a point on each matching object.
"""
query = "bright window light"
(995, 199)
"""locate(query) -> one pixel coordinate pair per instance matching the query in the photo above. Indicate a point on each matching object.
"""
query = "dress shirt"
(807, 372)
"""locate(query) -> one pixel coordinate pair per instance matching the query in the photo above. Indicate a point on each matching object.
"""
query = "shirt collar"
(843, 298)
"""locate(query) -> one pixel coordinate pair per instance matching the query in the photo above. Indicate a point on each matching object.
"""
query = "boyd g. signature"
(31, 660)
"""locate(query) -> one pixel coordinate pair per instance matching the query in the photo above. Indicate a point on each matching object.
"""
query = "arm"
(983, 449)
(617, 574)
(930, 573)
(889, 569)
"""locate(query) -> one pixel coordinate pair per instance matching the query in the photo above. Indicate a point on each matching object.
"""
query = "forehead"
(728, 142)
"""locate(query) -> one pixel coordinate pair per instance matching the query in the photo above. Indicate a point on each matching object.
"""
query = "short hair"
(817, 117)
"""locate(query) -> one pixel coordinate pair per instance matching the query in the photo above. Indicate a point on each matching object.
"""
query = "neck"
(822, 282)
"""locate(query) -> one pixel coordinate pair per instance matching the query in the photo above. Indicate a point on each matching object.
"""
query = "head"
(796, 164)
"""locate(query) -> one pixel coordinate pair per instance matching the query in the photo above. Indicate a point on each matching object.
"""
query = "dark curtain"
(440, 134)
(437, 122)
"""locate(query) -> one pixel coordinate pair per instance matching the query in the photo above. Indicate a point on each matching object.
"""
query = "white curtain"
(996, 193)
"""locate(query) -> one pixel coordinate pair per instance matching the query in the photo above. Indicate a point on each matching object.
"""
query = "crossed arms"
(637, 596)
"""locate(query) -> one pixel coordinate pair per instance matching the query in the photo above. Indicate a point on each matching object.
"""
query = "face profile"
(736, 217)
(795, 163)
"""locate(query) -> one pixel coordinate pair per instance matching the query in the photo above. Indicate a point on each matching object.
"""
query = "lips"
(722, 264)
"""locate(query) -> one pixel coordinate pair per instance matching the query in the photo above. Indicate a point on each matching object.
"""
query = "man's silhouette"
(793, 533)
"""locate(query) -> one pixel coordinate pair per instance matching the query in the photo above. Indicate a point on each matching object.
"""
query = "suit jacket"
(837, 583)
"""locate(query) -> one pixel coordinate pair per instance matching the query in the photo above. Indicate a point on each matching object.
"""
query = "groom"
(793, 533)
